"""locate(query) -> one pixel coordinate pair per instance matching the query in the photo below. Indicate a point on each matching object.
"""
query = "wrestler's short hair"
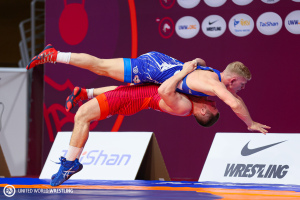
(208, 120)
(239, 69)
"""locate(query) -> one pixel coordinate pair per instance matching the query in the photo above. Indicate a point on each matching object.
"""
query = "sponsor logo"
(183, 27)
(242, 22)
(188, 3)
(99, 157)
(9, 190)
(292, 22)
(166, 27)
(246, 151)
(68, 173)
(214, 3)
(210, 23)
(235, 22)
(135, 70)
(269, 23)
(270, 1)
(241, 25)
(213, 26)
(256, 170)
(187, 27)
(242, 2)
(167, 4)
(266, 24)
(136, 79)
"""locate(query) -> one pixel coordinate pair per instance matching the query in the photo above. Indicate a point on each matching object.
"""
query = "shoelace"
(43, 58)
(61, 161)
(78, 100)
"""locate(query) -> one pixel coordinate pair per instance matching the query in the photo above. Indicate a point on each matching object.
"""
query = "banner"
(106, 155)
(253, 158)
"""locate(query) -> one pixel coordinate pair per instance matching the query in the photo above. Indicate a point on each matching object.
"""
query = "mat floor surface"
(34, 188)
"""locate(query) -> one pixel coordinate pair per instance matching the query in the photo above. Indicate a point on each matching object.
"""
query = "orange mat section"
(227, 194)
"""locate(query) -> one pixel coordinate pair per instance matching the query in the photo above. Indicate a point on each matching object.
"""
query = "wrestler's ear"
(232, 80)
(203, 109)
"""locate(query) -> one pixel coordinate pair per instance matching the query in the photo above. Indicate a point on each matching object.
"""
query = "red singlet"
(128, 100)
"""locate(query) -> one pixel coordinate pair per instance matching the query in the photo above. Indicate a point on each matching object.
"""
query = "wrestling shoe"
(76, 163)
(77, 95)
(48, 55)
(66, 170)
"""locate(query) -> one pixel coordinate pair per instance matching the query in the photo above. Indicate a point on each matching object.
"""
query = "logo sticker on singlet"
(135, 70)
(136, 79)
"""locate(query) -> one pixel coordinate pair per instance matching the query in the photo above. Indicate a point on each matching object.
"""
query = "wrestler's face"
(237, 84)
(203, 105)
(211, 106)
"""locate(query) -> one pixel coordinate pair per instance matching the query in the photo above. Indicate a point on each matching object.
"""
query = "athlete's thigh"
(113, 68)
(91, 110)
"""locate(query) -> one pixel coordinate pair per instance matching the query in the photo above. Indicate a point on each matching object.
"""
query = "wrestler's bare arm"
(239, 98)
(238, 106)
(172, 101)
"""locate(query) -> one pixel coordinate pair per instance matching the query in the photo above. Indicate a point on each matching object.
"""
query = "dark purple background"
(271, 96)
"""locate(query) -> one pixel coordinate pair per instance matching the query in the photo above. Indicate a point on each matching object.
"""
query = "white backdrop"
(13, 118)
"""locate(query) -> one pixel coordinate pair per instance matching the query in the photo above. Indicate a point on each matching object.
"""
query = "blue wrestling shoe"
(66, 170)
(76, 161)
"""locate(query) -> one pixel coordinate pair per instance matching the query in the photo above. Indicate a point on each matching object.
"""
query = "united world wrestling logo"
(9, 190)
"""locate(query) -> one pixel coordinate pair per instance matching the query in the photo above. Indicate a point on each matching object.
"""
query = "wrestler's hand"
(258, 127)
(200, 61)
(190, 66)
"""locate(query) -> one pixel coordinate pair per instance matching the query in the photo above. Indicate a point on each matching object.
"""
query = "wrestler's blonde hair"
(239, 69)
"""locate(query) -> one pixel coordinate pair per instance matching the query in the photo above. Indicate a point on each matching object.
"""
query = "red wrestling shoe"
(48, 55)
(77, 95)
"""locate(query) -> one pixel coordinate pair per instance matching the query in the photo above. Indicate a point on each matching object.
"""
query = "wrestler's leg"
(113, 68)
(80, 94)
(86, 113)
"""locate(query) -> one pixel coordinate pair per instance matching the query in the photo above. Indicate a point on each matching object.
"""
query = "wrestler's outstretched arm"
(238, 106)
